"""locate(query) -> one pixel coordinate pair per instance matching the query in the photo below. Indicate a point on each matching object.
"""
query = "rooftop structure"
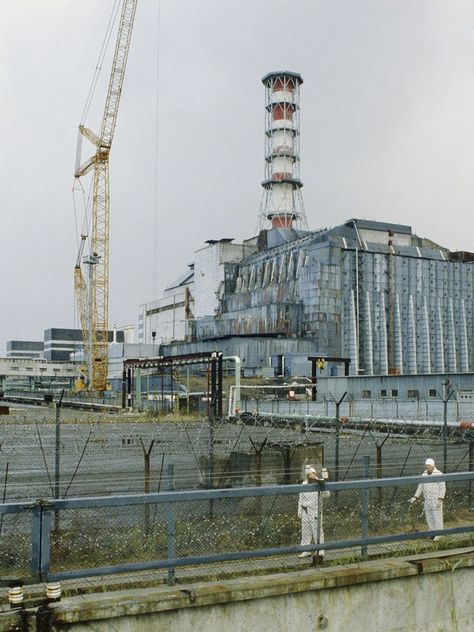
(24, 349)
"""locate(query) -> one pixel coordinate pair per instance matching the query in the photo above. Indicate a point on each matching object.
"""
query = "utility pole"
(338, 431)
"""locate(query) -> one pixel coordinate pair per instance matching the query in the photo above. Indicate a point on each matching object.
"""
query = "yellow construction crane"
(92, 296)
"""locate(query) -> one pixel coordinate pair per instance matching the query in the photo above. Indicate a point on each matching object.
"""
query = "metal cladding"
(282, 203)
(392, 302)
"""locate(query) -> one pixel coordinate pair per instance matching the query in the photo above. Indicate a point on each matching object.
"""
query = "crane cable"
(102, 53)
(86, 204)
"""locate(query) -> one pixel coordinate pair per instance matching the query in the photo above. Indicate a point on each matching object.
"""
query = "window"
(366, 393)
(394, 392)
(432, 392)
(383, 392)
(413, 394)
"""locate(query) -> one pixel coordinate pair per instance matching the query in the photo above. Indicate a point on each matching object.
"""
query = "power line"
(155, 195)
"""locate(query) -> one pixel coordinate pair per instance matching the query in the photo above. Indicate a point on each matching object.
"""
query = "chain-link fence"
(204, 531)
(110, 454)
(76, 455)
(107, 454)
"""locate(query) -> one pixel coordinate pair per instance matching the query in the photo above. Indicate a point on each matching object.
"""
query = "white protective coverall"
(311, 518)
(433, 494)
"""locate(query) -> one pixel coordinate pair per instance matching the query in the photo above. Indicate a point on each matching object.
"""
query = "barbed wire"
(103, 453)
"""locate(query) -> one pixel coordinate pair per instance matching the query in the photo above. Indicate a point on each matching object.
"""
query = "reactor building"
(372, 292)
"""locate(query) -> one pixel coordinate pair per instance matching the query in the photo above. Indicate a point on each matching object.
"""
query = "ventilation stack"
(282, 203)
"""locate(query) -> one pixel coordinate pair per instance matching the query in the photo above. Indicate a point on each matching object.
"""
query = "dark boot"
(318, 560)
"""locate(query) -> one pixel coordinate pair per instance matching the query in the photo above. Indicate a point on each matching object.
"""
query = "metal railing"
(53, 540)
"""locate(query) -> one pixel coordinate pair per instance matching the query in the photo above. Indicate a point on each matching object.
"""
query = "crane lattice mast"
(93, 297)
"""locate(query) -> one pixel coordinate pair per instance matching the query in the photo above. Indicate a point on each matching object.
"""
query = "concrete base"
(416, 593)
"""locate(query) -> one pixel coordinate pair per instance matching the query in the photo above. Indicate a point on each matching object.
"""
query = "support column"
(451, 339)
(439, 360)
(383, 336)
(426, 347)
(368, 347)
(411, 355)
(398, 346)
(353, 346)
(463, 341)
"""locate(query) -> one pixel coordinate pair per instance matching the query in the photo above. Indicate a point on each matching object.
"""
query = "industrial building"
(392, 302)
(24, 349)
(61, 344)
(64, 344)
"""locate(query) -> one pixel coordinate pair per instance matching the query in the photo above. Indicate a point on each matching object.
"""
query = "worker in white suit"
(433, 495)
(310, 511)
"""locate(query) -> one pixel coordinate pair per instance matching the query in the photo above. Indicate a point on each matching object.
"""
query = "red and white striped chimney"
(282, 202)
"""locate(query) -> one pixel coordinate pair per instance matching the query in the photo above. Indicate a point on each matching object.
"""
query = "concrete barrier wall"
(431, 592)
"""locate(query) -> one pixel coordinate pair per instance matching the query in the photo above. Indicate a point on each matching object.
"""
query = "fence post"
(338, 432)
(170, 529)
(219, 385)
(57, 465)
(445, 435)
(146, 481)
(365, 507)
(36, 542)
(40, 542)
(379, 471)
(447, 394)
(471, 464)
(45, 543)
(379, 468)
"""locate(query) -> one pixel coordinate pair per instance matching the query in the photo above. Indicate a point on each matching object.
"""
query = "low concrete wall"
(431, 592)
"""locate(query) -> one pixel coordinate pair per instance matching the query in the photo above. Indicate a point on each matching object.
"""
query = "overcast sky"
(387, 132)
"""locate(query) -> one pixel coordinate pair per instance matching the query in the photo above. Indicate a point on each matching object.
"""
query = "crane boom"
(118, 72)
(94, 311)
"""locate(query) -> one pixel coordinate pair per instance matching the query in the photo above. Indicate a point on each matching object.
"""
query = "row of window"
(394, 392)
